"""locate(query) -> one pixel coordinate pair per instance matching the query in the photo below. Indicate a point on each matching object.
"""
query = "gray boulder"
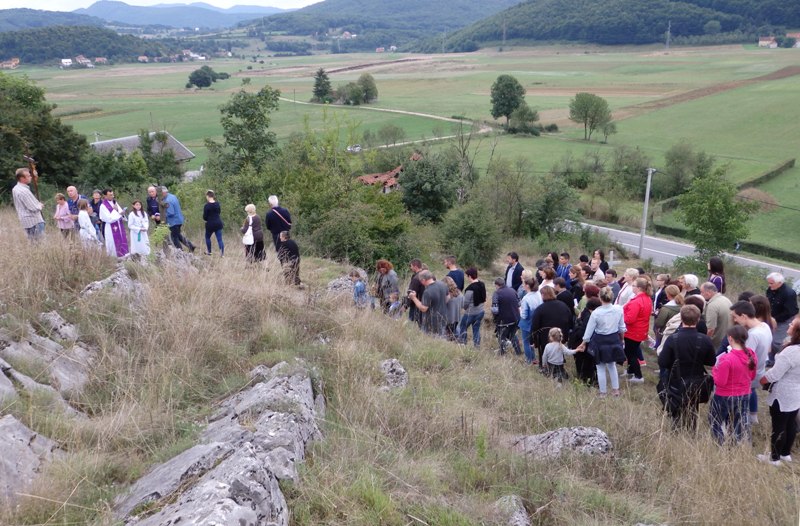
(57, 325)
(25, 454)
(395, 374)
(343, 284)
(510, 511)
(30, 385)
(120, 282)
(583, 440)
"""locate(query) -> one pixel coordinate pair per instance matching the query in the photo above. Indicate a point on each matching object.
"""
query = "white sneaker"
(635, 380)
(753, 418)
(786, 458)
(768, 459)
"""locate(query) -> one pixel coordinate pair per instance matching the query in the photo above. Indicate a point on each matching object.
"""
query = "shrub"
(471, 234)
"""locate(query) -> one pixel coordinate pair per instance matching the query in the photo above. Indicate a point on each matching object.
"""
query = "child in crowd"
(62, 216)
(360, 296)
(396, 307)
(553, 357)
(88, 233)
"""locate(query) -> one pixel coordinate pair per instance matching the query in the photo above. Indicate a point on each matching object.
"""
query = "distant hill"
(249, 9)
(16, 19)
(169, 15)
(623, 22)
(49, 44)
(381, 22)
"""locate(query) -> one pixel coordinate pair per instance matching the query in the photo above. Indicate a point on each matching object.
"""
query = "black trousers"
(784, 430)
(178, 238)
(632, 349)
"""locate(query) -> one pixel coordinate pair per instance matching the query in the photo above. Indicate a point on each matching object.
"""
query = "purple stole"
(118, 233)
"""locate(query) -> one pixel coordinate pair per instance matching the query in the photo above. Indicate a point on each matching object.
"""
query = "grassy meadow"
(436, 452)
(749, 125)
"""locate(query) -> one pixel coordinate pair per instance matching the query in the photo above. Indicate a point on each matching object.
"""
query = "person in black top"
(289, 256)
(505, 308)
(551, 313)
(211, 212)
(416, 286)
(693, 351)
(94, 204)
(153, 206)
(277, 220)
(562, 294)
(783, 304)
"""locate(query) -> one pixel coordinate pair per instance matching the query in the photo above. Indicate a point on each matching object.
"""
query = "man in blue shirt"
(175, 219)
(454, 272)
(72, 202)
(562, 271)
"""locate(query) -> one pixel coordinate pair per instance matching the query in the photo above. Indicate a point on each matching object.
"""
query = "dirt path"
(644, 107)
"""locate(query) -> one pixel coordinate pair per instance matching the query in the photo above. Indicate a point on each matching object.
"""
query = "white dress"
(88, 233)
(138, 225)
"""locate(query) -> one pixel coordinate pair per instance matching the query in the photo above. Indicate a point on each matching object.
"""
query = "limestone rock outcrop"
(395, 374)
(25, 453)
(582, 440)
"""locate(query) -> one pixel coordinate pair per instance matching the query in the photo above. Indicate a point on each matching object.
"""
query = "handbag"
(672, 389)
(248, 238)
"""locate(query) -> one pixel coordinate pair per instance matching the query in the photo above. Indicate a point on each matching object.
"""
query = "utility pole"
(504, 33)
(650, 172)
(444, 39)
(669, 32)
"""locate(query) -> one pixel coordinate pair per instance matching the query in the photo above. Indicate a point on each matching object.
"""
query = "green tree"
(609, 128)
(201, 78)
(714, 218)
(322, 87)
(429, 186)
(351, 94)
(391, 134)
(591, 111)
(115, 170)
(507, 95)
(162, 167)
(368, 87)
(470, 234)
(523, 119)
(682, 164)
(245, 123)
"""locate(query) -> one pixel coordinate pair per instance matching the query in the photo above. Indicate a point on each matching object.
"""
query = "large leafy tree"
(590, 110)
(714, 218)
(429, 186)
(245, 123)
(27, 127)
(322, 87)
(368, 87)
(507, 95)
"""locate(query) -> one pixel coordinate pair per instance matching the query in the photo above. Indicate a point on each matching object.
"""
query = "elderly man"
(153, 206)
(433, 304)
(717, 311)
(175, 219)
(783, 303)
(72, 202)
(29, 209)
(277, 220)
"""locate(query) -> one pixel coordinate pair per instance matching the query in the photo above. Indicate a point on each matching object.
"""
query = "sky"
(71, 5)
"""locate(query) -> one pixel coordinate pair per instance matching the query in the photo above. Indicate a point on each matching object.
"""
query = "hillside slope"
(173, 16)
(382, 21)
(18, 19)
(620, 21)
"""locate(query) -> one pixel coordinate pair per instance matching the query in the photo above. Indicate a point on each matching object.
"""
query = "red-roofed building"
(388, 180)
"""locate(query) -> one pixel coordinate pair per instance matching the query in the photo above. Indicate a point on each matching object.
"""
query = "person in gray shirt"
(433, 304)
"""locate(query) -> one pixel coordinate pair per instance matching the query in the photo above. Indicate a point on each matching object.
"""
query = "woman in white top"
(138, 225)
(88, 232)
(784, 397)
(627, 292)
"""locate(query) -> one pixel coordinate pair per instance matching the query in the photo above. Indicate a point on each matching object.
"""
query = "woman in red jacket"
(735, 370)
(637, 313)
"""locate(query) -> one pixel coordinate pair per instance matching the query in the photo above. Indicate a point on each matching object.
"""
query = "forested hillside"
(53, 43)
(624, 22)
(15, 19)
(381, 22)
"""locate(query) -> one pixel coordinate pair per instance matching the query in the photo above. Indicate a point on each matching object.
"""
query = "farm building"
(132, 143)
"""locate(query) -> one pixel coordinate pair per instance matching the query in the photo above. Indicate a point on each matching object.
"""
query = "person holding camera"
(783, 383)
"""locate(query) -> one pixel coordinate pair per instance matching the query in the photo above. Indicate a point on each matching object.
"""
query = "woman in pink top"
(735, 370)
(62, 216)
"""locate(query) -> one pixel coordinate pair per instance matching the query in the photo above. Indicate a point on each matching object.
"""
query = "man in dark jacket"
(277, 220)
(414, 314)
(783, 304)
(505, 307)
(562, 294)
(693, 351)
(289, 256)
(513, 271)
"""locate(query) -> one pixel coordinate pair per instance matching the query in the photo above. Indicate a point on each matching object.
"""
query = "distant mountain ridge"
(249, 9)
(19, 19)
(614, 22)
(173, 15)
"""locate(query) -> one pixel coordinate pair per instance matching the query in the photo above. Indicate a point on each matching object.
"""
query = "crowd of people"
(587, 311)
(101, 221)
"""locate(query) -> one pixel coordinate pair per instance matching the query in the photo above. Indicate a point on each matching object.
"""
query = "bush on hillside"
(471, 235)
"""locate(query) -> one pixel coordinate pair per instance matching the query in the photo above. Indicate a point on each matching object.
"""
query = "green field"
(751, 126)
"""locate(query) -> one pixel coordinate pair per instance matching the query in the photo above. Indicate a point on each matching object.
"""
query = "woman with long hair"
(784, 397)
(603, 340)
(637, 320)
(214, 225)
(455, 301)
(716, 273)
(733, 373)
(386, 283)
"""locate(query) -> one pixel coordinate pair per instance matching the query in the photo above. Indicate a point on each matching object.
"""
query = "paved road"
(663, 251)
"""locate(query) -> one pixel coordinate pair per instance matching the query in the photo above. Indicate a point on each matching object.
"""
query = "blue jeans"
(730, 411)
(35, 232)
(754, 400)
(474, 320)
(526, 344)
(217, 233)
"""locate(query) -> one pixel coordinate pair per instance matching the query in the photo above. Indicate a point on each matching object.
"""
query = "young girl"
(733, 373)
(455, 302)
(138, 225)
(395, 306)
(62, 216)
(553, 357)
(360, 296)
(88, 231)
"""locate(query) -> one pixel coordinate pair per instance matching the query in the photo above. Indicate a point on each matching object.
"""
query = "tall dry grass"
(434, 453)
